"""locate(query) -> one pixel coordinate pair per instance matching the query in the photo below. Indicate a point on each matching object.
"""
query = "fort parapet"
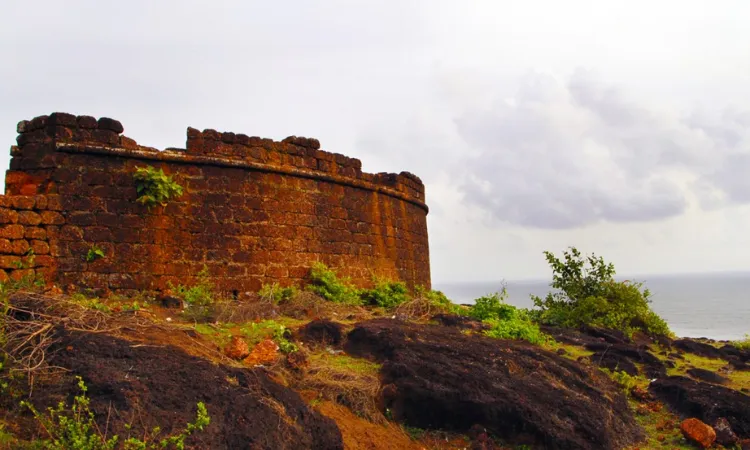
(253, 211)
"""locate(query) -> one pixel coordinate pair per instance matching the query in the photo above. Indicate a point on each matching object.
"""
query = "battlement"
(253, 211)
(300, 156)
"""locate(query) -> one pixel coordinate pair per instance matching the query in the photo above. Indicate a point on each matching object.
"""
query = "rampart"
(253, 211)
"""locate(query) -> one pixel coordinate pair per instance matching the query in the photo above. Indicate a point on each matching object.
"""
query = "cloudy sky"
(619, 127)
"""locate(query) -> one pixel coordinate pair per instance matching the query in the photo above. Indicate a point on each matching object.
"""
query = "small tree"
(588, 294)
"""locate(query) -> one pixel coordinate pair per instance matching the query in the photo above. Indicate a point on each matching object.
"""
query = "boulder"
(237, 348)
(697, 348)
(625, 356)
(705, 401)
(707, 375)
(436, 377)
(134, 388)
(321, 332)
(698, 432)
(263, 354)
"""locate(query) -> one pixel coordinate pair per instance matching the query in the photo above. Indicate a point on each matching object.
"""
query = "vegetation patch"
(327, 284)
(154, 187)
(505, 321)
(199, 297)
(587, 294)
(348, 381)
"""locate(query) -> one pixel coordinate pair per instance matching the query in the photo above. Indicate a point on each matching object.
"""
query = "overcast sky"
(619, 127)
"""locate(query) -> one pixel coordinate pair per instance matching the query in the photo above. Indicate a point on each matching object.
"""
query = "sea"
(712, 305)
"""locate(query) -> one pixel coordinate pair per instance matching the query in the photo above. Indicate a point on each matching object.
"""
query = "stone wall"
(253, 211)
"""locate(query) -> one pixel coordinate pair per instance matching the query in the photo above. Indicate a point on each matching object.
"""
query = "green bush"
(74, 428)
(491, 306)
(587, 294)
(325, 283)
(258, 331)
(626, 381)
(387, 294)
(743, 344)
(438, 300)
(506, 321)
(277, 294)
(154, 187)
(199, 298)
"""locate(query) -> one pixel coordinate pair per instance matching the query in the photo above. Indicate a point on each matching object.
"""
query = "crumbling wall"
(253, 211)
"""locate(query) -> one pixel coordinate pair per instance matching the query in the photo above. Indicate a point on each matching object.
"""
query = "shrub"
(325, 283)
(626, 381)
(387, 294)
(154, 187)
(74, 428)
(491, 306)
(199, 297)
(743, 344)
(506, 321)
(258, 331)
(426, 303)
(277, 294)
(587, 294)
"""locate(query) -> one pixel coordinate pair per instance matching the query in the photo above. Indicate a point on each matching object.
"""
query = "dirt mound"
(321, 332)
(435, 377)
(707, 402)
(150, 385)
(625, 357)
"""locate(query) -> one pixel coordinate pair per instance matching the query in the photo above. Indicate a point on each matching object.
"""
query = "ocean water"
(713, 305)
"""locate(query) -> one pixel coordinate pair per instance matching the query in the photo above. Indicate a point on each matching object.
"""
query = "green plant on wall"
(154, 187)
(94, 253)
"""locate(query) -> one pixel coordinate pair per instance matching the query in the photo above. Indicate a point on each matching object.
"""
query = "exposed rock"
(705, 401)
(171, 302)
(707, 375)
(105, 123)
(698, 432)
(135, 388)
(724, 433)
(321, 332)
(436, 377)
(697, 348)
(461, 322)
(237, 348)
(611, 336)
(265, 353)
(624, 356)
(732, 351)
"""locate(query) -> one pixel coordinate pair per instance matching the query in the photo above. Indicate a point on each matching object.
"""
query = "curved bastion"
(253, 211)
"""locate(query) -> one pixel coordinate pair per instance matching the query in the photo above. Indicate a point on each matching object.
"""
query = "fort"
(252, 211)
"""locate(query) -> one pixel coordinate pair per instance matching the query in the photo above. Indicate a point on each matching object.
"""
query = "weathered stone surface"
(86, 122)
(436, 377)
(265, 353)
(707, 375)
(724, 434)
(705, 401)
(105, 123)
(698, 432)
(247, 211)
(237, 348)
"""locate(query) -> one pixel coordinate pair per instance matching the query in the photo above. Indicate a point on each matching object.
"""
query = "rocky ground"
(364, 379)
